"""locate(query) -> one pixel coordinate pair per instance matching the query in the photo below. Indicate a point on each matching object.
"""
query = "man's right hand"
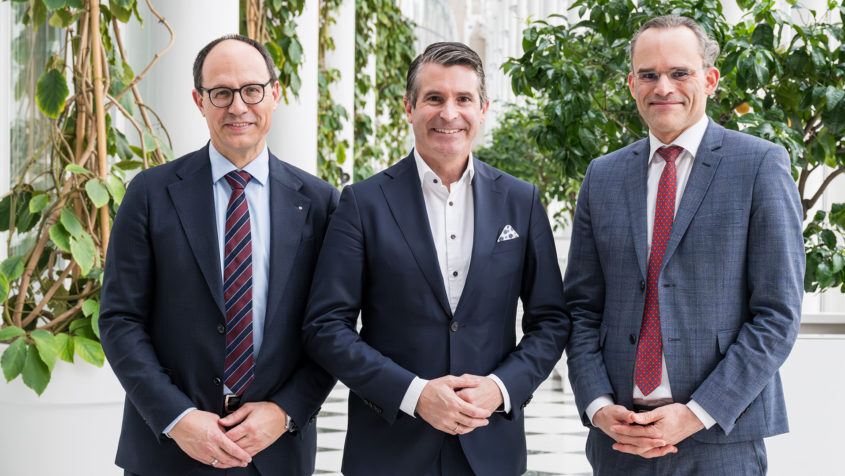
(440, 406)
(201, 437)
(611, 415)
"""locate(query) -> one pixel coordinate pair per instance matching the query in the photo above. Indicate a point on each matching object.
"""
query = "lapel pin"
(300, 207)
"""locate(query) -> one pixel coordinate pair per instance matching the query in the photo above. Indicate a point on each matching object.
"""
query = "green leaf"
(116, 188)
(12, 267)
(36, 375)
(119, 11)
(64, 347)
(55, 4)
(90, 350)
(38, 202)
(4, 287)
(62, 19)
(78, 324)
(90, 307)
(76, 3)
(10, 332)
(295, 51)
(78, 169)
(829, 239)
(124, 151)
(13, 359)
(149, 141)
(51, 91)
(97, 192)
(45, 342)
(5, 212)
(763, 36)
(832, 97)
(71, 223)
(60, 237)
(84, 252)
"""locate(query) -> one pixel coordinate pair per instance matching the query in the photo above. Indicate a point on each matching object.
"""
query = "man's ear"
(711, 80)
(197, 95)
(409, 108)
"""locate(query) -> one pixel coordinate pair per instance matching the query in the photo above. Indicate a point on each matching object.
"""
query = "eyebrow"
(652, 70)
(438, 93)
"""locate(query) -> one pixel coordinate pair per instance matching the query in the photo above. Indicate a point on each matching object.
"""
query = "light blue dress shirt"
(258, 199)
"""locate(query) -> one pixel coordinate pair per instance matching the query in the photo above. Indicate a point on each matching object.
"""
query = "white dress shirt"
(689, 140)
(451, 218)
(257, 193)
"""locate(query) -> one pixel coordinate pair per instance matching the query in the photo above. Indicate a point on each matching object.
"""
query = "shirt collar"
(690, 139)
(258, 168)
(423, 169)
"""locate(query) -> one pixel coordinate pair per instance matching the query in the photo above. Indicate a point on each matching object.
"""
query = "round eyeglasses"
(250, 94)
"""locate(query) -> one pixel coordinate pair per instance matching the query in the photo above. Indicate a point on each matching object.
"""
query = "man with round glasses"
(207, 276)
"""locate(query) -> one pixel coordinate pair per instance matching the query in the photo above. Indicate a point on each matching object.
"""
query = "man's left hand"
(255, 425)
(486, 394)
(671, 423)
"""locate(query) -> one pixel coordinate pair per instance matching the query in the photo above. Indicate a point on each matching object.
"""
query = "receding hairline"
(233, 41)
(658, 30)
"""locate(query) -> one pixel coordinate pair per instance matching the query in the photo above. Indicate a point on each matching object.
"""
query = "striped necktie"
(237, 287)
(648, 367)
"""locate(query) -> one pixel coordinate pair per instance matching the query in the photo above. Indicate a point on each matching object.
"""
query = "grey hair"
(446, 54)
(708, 47)
(200, 59)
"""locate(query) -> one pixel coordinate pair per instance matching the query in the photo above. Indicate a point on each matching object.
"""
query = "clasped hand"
(231, 441)
(458, 405)
(649, 434)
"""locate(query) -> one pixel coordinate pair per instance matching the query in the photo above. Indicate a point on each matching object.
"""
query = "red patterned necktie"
(648, 369)
(237, 287)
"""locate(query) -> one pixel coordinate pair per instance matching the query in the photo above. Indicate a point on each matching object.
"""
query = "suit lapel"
(405, 200)
(703, 169)
(636, 183)
(193, 199)
(488, 203)
(288, 209)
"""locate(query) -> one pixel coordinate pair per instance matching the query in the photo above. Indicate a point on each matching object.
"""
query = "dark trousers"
(451, 460)
(248, 471)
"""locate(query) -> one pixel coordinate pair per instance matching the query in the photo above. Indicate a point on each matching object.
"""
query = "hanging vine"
(331, 148)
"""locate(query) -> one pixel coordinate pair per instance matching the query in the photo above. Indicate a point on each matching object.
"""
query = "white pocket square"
(508, 233)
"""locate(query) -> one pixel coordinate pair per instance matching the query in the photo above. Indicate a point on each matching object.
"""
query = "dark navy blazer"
(379, 258)
(162, 321)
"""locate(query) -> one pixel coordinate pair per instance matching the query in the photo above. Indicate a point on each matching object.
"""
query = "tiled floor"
(554, 434)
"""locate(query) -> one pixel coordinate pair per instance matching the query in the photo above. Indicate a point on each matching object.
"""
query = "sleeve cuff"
(596, 405)
(506, 399)
(412, 395)
(702, 414)
(176, 420)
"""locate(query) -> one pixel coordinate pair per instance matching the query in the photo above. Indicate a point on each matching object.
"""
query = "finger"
(238, 416)
(467, 422)
(646, 418)
(637, 431)
(236, 434)
(661, 451)
(234, 451)
(630, 449)
(471, 410)
(645, 443)
(464, 381)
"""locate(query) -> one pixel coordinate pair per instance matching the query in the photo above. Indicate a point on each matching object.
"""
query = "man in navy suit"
(684, 279)
(208, 270)
(434, 253)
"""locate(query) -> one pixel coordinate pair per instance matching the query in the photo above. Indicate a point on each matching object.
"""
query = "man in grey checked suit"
(684, 278)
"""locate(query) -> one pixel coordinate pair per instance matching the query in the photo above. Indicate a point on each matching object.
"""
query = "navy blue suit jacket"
(162, 320)
(379, 258)
(730, 288)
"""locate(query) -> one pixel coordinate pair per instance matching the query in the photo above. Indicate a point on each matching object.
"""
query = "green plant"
(60, 206)
(782, 80)
(331, 149)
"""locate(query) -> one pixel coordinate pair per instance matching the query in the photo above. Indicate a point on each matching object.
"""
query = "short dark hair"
(200, 60)
(446, 54)
(708, 47)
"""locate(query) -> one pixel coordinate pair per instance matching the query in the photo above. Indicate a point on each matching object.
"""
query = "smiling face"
(238, 131)
(673, 102)
(448, 112)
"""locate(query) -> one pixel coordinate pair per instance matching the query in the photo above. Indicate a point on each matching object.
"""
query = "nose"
(238, 105)
(449, 111)
(664, 86)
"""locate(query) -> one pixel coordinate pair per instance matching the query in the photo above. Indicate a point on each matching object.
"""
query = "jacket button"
(217, 381)
(454, 326)
(642, 285)
(221, 329)
(632, 339)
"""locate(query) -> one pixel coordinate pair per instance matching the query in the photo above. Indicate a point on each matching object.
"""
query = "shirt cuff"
(506, 399)
(702, 414)
(176, 420)
(412, 396)
(600, 402)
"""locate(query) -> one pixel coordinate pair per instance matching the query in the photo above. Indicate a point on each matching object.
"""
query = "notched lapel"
(288, 210)
(636, 183)
(488, 201)
(703, 169)
(405, 200)
(193, 199)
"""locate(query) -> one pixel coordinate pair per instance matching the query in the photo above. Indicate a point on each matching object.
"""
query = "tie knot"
(238, 179)
(670, 153)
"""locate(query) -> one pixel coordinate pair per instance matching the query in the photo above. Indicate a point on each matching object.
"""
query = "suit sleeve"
(329, 330)
(125, 304)
(775, 277)
(307, 389)
(545, 323)
(584, 288)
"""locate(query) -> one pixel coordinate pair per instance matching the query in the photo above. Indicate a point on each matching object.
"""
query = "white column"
(5, 106)
(168, 85)
(343, 90)
(293, 137)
